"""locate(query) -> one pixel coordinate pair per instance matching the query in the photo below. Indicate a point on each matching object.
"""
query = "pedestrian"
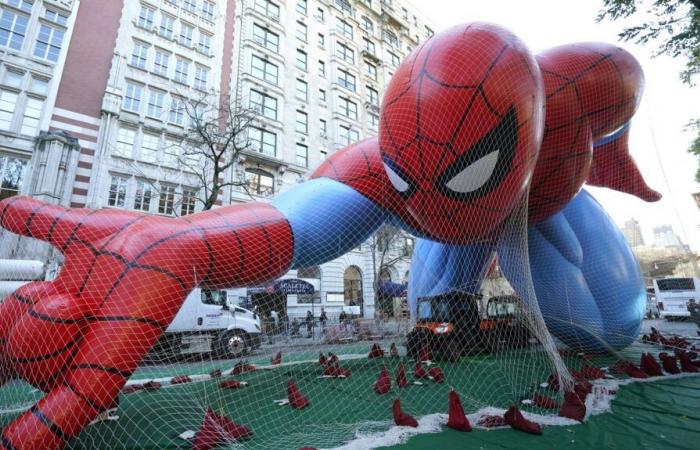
(323, 318)
(275, 321)
(309, 323)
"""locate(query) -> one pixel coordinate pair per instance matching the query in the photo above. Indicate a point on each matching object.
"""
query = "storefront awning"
(390, 289)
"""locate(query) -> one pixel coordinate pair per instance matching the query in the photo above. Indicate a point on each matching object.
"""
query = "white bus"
(673, 295)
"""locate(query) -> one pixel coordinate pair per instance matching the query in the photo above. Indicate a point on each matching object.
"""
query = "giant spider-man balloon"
(471, 124)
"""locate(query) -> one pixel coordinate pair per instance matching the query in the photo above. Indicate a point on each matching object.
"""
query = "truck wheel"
(233, 344)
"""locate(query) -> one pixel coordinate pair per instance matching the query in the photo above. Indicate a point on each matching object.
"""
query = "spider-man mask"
(461, 125)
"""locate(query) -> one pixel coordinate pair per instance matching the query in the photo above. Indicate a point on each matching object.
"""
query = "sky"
(658, 142)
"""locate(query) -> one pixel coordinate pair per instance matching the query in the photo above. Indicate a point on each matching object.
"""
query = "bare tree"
(217, 133)
(389, 246)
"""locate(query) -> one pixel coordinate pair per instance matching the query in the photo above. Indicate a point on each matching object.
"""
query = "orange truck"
(458, 323)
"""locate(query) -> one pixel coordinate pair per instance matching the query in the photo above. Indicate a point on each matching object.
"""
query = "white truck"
(208, 321)
(673, 295)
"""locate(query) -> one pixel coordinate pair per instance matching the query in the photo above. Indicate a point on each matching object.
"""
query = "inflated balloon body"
(463, 135)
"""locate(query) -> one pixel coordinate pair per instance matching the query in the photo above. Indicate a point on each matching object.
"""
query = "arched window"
(260, 182)
(352, 286)
(385, 274)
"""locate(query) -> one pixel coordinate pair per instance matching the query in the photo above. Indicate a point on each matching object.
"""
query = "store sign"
(294, 286)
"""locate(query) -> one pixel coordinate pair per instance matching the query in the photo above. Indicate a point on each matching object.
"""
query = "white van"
(673, 295)
(208, 321)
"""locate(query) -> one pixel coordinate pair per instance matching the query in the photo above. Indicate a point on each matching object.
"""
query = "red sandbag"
(375, 352)
(131, 388)
(492, 421)
(649, 365)
(341, 371)
(424, 354)
(332, 357)
(457, 419)
(393, 351)
(330, 371)
(242, 368)
(230, 384)
(216, 373)
(592, 373)
(383, 383)
(553, 382)
(574, 407)
(151, 386)
(180, 379)
(216, 430)
(669, 363)
(419, 371)
(401, 418)
(296, 398)
(276, 359)
(322, 359)
(401, 380)
(544, 401)
(437, 374)
(686, 364)
(515, 419)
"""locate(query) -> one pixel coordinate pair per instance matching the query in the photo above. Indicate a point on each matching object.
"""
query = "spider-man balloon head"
(461, 125)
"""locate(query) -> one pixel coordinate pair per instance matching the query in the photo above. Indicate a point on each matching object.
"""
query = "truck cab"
(209, 321)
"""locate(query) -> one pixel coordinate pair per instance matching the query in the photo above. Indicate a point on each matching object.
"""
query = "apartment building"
(93, 95)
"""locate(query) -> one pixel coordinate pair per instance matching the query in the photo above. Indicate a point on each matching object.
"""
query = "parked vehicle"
(457, 323)
(208, 322)
(673, 295)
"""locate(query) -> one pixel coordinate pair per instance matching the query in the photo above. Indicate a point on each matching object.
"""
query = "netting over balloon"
(482, 153)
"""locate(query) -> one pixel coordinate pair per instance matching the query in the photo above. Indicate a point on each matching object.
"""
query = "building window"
(264, 104)
(189, 201)
(155, 104)
(264, 70)
(321, 41)
(321, 69)
(132, 97)
(200, 78)
(345, 53)
(167, 25)
(344, 6)
(390, 37)
(266, 38)
(371, 70)
(13, 79)
(177, 111)
(32, 114)
(48, 42)
(8, 104)
(139, 55)
(268, 9)
(204, 43)
(11, 176)
(146, 17)
(160, 65)
(302, 122)
(186, 32)
(24, 5)
(347, 135)
(208, 9)
(320, 15)
(302, 32)
(301, 6)
(166, 199)
(171, 153)
(182, 69)
(125, 142)
(263, 141)
(301, 61)
(395, 60)
(144, 193)
(347, 108)
(369, 46)
(302, 155)
(260, 182)
(149, 147)
(302, 90)
(373, 120)
(346, 80)
(322, 95)
(117, 191)
(372, 95)
(190, 5)
(39, 86)
(57, 18)
(344, 28)
(13, 28)
(323, 126)
(367, 25)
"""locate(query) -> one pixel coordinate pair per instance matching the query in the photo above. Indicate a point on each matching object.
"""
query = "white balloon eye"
(475, 175)
(397, 181)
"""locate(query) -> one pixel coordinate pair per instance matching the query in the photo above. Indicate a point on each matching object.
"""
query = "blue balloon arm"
(328, 219)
